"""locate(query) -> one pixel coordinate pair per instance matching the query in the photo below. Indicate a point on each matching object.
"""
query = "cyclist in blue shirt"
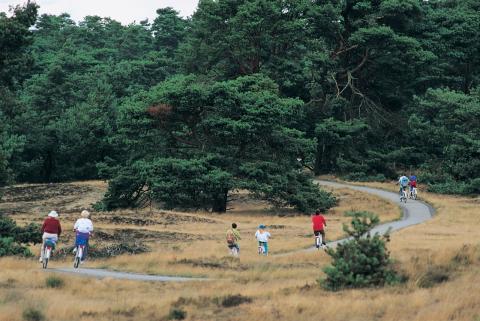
(403, 182)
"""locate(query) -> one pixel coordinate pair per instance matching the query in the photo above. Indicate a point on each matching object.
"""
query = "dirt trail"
(414, 212)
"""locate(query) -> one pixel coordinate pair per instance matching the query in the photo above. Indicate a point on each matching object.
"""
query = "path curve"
(414, 212)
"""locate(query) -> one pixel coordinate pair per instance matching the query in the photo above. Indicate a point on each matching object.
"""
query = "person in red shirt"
(319, 223)
(51, 229)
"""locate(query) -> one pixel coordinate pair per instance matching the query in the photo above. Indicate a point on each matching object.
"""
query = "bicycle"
(233, 250)
(81, 246)
(261, 248)
(48, 248)
(403, 196)
(80, 249)
(318, 241)
(413, 193)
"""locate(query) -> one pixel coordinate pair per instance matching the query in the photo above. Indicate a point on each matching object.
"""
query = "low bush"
(451, 186)
(13, 238)
(233, 300)
(177, 314)
(363, 177)
(54, 282)
(32, 314)
(9, 247)
(361, 262)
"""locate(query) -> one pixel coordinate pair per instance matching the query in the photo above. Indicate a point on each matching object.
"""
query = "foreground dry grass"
(281, 288)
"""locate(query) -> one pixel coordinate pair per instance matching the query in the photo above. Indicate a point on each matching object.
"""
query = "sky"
(125, 11)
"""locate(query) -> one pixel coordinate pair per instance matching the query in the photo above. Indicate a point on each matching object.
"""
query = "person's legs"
(46, 236)
(265, 246)
(85, 250)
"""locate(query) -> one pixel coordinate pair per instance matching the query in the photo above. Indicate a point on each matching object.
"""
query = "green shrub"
(233, 300)
(27, 234)
(54, 282)
(32, 314)
(363, 177)
(8, 247)
(13, 238)
(361, 262)
(177, 314)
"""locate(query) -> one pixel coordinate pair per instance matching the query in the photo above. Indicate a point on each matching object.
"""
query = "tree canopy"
(245, 94)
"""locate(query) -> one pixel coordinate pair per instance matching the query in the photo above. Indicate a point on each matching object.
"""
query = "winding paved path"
(101, 274)
(414, 212)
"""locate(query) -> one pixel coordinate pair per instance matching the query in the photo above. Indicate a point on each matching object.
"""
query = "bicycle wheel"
(261, 249)
(76, 262)
(46, 257)
(78, 257)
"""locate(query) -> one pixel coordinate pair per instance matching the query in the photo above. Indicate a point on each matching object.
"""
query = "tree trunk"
(220, 202)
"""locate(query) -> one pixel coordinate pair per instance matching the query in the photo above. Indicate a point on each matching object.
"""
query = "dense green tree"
(450, 30)
(191, 142)
(446, 130)
(15, 61)
(169, 30)
(333, 86)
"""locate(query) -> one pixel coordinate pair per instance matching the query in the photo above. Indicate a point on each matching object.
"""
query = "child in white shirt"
(262, 237)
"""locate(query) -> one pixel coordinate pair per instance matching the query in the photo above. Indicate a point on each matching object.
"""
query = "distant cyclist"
(83, 230)
(262, 237)
(403, 182)
(413, 183)
(319, 223)
(232, 237)
(51, 229)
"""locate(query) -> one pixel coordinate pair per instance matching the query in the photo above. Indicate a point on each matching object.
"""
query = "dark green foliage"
(362, 261)
(233, 300)
(9, 247)
(256, 90)
(445, 129)
(199, 140)
(32, 314)
(54, 282)
(27, 234)
(177, 314)
(13, 238)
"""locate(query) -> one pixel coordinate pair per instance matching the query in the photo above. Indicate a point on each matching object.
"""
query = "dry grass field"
(441, 259)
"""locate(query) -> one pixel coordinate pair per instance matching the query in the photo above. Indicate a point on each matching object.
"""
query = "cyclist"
(403, 182)
(83, 228)
(319, 223)
(413, 183)
(262, 237)
(51, 229)
(232, 237)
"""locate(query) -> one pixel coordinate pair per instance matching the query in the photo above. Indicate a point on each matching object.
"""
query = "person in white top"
(84, 224)
(83, 230)
(262, 237)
